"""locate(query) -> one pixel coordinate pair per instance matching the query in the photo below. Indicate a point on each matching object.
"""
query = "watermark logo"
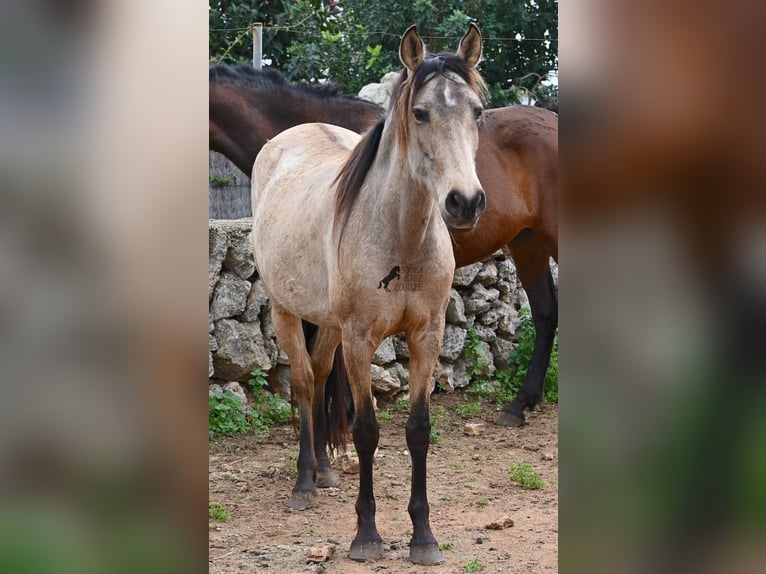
(407, 277)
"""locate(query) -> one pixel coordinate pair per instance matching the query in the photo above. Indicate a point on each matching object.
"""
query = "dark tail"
(338, 403)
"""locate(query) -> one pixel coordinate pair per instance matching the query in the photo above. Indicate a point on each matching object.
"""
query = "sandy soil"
(468, 489)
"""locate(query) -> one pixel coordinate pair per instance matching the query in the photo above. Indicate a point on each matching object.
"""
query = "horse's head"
(438, 106)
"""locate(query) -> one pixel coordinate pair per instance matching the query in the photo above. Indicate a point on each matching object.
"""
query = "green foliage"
(482, 502)
(437, 412)
(220, 181)
(312, 40)
(466, 410)
(403, 405)
(474, 566)
(227, 417)
(218, 513)
(446, 546)
(525, 476)
(475, 362)
(384, 415)
(520, 357)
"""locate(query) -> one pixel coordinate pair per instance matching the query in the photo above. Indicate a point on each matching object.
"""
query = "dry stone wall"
(485, 297)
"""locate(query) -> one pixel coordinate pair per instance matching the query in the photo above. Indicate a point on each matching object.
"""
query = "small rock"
(473, 429)
(500, 523)
(479, 540)
(349, 464)
(320, 553)
(547, 456)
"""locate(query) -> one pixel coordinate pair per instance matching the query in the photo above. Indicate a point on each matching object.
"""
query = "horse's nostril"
(479, 203)
(455, 202)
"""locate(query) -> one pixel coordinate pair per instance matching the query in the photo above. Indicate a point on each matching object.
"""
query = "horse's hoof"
(508, 419)
(426, 554)
(366, 551)
(303, 500)
(327, 478)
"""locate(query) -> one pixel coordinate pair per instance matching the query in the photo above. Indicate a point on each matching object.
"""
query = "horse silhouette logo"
(393, 274)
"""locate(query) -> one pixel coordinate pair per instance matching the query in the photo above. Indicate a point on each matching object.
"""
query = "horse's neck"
(403, 205)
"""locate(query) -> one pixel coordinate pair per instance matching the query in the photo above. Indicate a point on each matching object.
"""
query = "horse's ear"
(412, 51)
(470, 46)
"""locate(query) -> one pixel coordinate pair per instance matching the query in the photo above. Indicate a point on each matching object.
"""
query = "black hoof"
(366, 551)
(327, 478)
(509, 419)
(426, 554)
(303, 500)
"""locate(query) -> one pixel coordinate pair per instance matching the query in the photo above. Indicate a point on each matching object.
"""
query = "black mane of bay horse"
(517, 163)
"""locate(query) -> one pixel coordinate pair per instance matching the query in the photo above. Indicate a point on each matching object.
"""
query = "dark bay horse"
(517, 163)
(391, 197)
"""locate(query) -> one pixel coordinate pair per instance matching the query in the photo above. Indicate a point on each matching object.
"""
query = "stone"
(473, 429)
(487, 275)
(485, 333)
(349, 464)
(401, 374)
(235, 389)
(239, 256)
(456, 309)
(382, 381)
(230, 297)
(240, 350)
(480, 300)
(216, 255)
(400, 346)
(464, 276)
(453, 342)
(501, 350)
(489, 318)
(547, 456)
(212, 344)
(214, 388)
(443, 376)
(210, 367)
(460, 378)
(375, 93)
(507, 323)
(385, 353)
(500, 524)
(321, 553)
(485, 357)
(256, 299)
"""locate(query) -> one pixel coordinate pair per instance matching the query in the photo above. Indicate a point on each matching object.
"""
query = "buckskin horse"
(391, 196)
(517, 163)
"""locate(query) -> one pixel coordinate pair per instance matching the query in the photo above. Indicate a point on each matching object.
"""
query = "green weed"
(445, 546)
(468, 410)
(218, 513)
(220, 181)
(384, 415)
(482, 502)
(525, 476)
(474, 566)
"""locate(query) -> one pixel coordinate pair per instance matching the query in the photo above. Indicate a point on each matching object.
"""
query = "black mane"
(269, 78)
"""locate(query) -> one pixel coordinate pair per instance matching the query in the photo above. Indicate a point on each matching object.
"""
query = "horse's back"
(293, 204)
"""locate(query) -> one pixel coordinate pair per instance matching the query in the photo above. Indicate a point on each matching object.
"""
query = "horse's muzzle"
(462, 213)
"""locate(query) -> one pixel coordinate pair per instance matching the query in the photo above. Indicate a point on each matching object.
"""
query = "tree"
(355, 42)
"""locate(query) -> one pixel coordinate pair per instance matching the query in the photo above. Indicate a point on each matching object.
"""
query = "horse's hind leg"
(533, 268)
(424, 349)
(290, 337)
(357, 351)
(322, 354)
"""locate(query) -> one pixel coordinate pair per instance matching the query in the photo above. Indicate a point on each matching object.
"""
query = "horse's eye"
(421, 116)
(478, 112)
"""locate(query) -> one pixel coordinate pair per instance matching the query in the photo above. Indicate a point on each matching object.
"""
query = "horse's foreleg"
(367, 544)
(290, 336)
(322, 354)
(424, 350)
(533, 268)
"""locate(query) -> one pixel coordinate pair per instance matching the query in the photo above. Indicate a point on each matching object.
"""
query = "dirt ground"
(468, 488)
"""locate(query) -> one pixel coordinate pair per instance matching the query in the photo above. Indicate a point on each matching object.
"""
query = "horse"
(517, 163)
(389, 197)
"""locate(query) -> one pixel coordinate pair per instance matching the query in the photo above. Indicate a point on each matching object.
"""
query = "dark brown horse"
(517, 164)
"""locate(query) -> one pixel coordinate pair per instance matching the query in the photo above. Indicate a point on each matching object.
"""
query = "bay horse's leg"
(533, 269)
(322, 355)
(424, 350)
(357, 350)
(290, 336)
